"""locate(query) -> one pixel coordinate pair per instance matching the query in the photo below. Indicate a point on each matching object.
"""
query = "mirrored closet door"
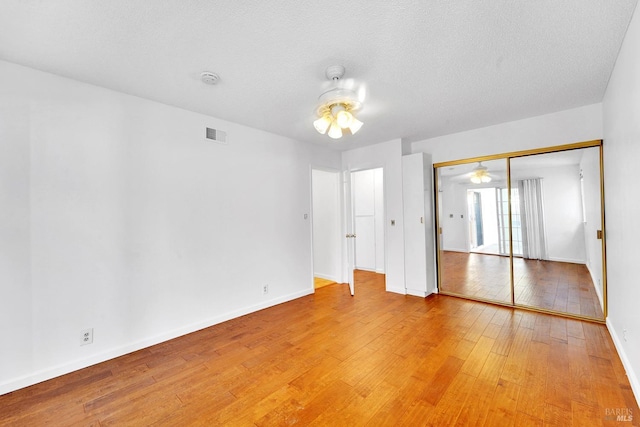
(474, 230)
(525, 229)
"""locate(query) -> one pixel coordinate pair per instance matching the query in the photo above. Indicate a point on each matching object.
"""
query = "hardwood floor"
(375, 359)
(557, 286)
(319, 282)
(476, 275)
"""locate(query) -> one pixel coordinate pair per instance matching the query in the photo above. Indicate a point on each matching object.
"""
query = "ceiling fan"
(337, 106)
(480, 174)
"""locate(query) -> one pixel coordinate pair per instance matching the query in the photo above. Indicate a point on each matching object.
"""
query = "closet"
(525, 229)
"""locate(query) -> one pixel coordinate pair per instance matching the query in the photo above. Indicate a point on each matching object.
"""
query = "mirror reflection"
(474, 239)
(556, 218)
(557, 206)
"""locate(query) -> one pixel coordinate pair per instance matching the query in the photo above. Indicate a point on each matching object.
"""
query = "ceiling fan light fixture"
(343, 117)
(322, 124)
(355, 126)
(480, 175)
(335, 131)
(336, 107)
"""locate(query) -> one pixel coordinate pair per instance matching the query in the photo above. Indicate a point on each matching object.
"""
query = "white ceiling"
(429, 68)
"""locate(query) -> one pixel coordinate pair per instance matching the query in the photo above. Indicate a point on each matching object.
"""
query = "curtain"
(534, 241)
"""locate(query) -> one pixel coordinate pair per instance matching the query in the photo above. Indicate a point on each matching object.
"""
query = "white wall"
(16, 314)
(118, 215)
(387, 155)
(565, 127)
(327, 229)
(453, 219)
(456, 219)
(562, 201)
(621, 111)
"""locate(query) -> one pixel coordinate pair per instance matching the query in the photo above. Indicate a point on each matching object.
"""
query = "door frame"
(339, 214)
(349, 220)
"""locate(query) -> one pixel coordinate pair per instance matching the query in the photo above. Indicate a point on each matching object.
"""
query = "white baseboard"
(418, 293)
(631, 375)
(569, 260)
(401, 291)
(466, 251)
(373, 270)
(56, 371)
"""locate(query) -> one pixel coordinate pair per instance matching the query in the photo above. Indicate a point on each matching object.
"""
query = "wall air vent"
(217, 135)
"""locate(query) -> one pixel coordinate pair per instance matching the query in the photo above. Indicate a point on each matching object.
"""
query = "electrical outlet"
(265, 289)
(86, 336)
(624, 334)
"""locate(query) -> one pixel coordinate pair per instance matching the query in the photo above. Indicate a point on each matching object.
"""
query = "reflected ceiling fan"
(480, 175)
(338, 105)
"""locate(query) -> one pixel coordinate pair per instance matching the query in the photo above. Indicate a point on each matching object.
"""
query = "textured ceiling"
(428, 68)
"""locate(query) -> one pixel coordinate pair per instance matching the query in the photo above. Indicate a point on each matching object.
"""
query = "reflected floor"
(487, 249)
(551, 285)
(476, 275)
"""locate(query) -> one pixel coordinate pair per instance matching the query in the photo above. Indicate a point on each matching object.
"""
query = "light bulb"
(476, 179)
(322, 124)
(334, 131)
(486, 178)
(355, 126)
(344, 119)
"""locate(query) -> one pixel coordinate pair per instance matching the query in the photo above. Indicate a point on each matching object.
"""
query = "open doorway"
(363, 211)
(364, 227)
(326, 227)
(488, 213)
(483, 221)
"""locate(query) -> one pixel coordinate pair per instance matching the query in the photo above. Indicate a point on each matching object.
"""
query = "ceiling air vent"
(217, 135)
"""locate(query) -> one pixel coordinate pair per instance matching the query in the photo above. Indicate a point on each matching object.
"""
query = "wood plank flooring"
(376, 359)
(319, 282)
(558, 286)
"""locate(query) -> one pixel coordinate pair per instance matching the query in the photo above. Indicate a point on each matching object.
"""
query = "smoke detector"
(209, 78)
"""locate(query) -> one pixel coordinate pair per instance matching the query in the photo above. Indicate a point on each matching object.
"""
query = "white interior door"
(364, 218)
(349, 228)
